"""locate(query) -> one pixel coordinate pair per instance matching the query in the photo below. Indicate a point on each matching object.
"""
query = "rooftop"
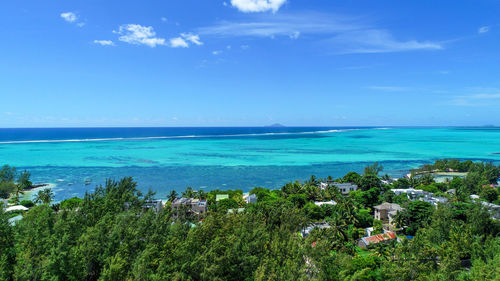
(219, 197)
(388, 206)
(379, 238)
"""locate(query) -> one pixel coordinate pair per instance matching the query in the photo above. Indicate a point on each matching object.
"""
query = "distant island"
(276, 125)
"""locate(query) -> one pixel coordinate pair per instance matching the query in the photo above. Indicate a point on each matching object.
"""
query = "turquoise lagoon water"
(163, 159)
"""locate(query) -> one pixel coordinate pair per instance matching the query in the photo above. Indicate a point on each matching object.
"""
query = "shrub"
(27, 203)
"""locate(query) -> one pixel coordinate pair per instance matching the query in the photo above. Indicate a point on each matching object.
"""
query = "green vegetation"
(109, 235)
(12, 183)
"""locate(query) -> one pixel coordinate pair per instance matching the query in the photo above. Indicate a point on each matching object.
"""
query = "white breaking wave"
(180, 137)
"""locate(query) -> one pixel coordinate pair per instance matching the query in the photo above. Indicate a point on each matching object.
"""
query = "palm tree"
(44, 196)
(23, 182)
(172, 196)
(348, 210)
(338, 230)
(188, 193)
(373, 169)
(202, 195)
(413, 181)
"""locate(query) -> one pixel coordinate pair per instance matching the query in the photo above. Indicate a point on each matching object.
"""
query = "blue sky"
(249, 63)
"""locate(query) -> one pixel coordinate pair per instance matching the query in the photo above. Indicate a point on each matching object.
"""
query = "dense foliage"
(109, 235)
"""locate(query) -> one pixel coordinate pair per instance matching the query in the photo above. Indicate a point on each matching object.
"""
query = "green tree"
(352, 177)
(415, 216)
(6, 188)
(172, 196)
(377, 227)
(369, 181)
(373, 169)
(489, 193)
(7, 174)
(7, 250)
(44, 196)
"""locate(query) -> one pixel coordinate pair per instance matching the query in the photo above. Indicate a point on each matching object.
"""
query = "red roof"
(380, 237)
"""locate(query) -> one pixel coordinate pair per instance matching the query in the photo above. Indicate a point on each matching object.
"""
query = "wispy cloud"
(338, 34)
(69, 17)
(377, 41)
(478, 97)
(217, 52)
(104, 42)
(252, 6)
(389, 88)
(281, 25)
(483, 29)
(72, 17)
(193, 38)
(184, 40)
(139, 35)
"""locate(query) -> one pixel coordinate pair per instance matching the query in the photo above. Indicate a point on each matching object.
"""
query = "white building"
(331, 202)
(344, 188)
(250, 198)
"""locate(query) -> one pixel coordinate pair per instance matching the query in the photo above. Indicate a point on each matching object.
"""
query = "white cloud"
(178, 42)
(164, 19)
(215, 53)
(295, 35)
(224, 4)
(483, 29)
(376, 41)
(69, 17)
(139, 35)
(252, 6)
(282, 25)
(337, 34)
(478, 97)
(104, 42)
(244, 47)
(193, 38)
(389, 88)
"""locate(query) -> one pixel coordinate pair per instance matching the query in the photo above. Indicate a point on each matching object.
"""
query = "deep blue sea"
(163, 159)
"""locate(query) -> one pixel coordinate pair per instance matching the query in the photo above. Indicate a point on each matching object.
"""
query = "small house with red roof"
(375, 239)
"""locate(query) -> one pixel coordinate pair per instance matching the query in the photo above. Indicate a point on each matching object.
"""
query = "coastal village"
(365, 212)
(384, 214)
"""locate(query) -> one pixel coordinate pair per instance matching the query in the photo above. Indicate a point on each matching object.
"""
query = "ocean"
(163, 159)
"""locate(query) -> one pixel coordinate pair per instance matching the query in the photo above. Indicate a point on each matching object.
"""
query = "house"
(494, 210)
(344, 188)
(434, 201)
(375, 239)
(219, 197)
(411, 192)
(331, 202)
(155, 205)
(386, 212)
(388, 181)
(321, 225)
(16, 208)
(250, 198)
(15, 219)
(418, 194)
(235, 211)
(196, 206)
